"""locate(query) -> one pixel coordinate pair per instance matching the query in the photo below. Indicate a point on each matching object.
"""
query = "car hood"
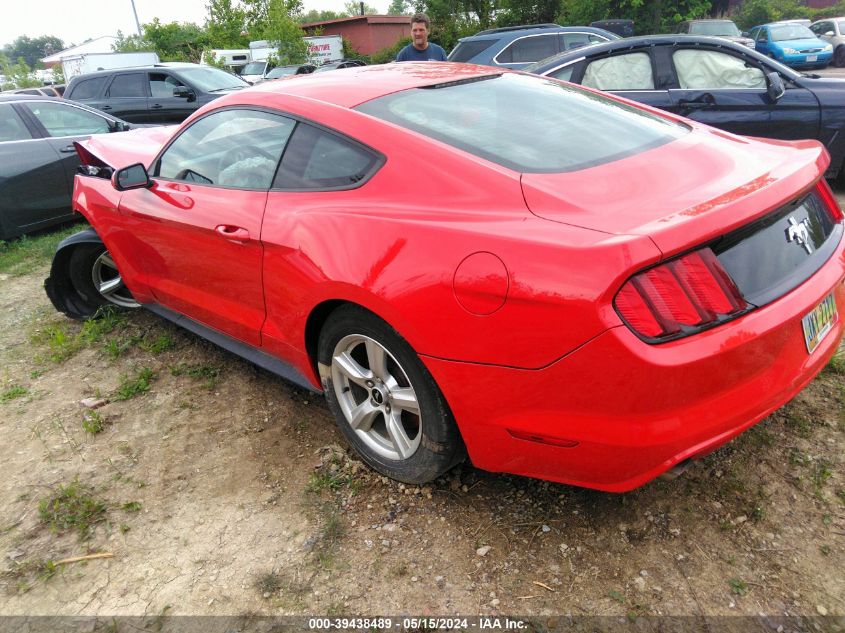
(804, 43)
(692, 189)
(140, 145)
(745, 41)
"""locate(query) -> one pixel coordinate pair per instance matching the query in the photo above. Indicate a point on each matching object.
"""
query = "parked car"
(792, 44)
(346, 63)
(287, 71)
(726, 29)
(832, 31)
(153, 94)
(517, 46)
(589, 291)
(43, 91)
(38, 160)
(716, 82)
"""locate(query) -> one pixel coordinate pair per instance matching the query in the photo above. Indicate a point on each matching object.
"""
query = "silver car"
(832, 30)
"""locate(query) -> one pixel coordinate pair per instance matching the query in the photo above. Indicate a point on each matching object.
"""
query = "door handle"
(697, 104)
(232, 233)
(105, 107)
(157, 106)
(67, 150)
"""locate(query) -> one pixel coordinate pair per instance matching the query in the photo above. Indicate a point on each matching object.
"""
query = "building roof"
(102, 44)
(370, 19)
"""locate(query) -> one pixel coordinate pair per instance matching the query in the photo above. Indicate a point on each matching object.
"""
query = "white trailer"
(322, 49)
(234, 58)
(74, 65)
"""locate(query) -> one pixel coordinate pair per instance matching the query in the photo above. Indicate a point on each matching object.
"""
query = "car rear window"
(465, 51)
(87, 88)
(528, 124)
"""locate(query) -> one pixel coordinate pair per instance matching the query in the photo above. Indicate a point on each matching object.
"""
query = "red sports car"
(558, 283)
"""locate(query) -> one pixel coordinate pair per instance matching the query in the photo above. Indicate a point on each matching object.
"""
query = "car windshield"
(254, 68)
(790, 32)
(720, 28)
(528, 124)
(211, 79)
(282, 71)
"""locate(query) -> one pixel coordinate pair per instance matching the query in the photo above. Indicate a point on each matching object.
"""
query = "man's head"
(419, 30)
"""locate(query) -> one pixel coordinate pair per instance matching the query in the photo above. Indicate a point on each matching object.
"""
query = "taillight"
(679, 298)
(826, 194)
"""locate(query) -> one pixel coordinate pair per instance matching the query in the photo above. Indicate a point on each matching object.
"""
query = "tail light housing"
(826, 194)
(679, 298)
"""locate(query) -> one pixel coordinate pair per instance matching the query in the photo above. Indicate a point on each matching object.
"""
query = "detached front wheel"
(386, 403)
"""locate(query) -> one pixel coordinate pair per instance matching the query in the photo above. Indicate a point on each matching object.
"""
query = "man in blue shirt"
(420, 49)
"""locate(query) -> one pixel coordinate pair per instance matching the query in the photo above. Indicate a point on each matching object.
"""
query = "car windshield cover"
(719, 29)
(528, 124)
(791, 32)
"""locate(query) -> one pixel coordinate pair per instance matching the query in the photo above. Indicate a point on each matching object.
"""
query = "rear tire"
(96, 280)
(839, 56)
(384, 400)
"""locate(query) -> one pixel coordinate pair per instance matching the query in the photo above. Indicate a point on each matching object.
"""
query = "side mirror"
(119, 126)
(776, 89)
(184, 92)
(132, 177)
(829, 34)
(745, 34)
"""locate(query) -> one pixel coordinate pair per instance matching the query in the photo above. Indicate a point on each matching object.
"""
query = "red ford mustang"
(559, 283)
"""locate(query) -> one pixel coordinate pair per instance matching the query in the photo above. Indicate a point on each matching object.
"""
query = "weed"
(841, 494)
(61, 344)
(23, 255)
(37, 373)
(131, 506)
(93, 422)
(836, 366)
(615, 595)
(15, 391)
(105, 321)
(334, 481)
(47, 569)
(268, 583)
(738, 586)
(159, 344)
(207, 373)
(124, 528)
(799, 423)
(825, 550)
(820, 474)
(131, 387)
(827, 519)
(117, 347)
(72, 507)
(795, 457)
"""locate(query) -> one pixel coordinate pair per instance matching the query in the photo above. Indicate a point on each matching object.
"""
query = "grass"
(131, 506)
(268, 583)
(15, 391)
(25, 254)
(93, 422)
(206, 373)
(325, 480)
(131, 387)
(738, 586)
(161, 343)
(819, 475)
(61, 344)
(836, 366)
(72, 507)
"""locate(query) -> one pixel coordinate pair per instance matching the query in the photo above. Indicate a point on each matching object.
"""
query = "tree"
(353, 8)
(399, 7)
(649, 16)
(282, 28)
(17, 74)
(174, 42)
(33, 50)
(320, 16)
(226, 24)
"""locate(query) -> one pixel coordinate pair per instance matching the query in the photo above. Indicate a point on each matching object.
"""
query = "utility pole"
(137, 23)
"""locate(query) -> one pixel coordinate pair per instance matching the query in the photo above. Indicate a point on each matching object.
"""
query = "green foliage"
(93, 422)
(131, 506)
(226, 24)
(353, 7)
(27, 253)
(282, 28)
(72, 507)
(17, 74)
(320, 16)
(738, 586)
(754, 12)
(159, 344)
(131, 387)
(387, 55)
(399, 7)
(15, 391)
(33, 50)
(208, 374)
(174, 42)
(650, 16)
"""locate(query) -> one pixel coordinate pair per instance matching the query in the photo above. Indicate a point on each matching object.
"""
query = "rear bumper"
(631, 410)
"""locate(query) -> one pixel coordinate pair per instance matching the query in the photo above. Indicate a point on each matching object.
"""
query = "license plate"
(812, 58)
(819, 322)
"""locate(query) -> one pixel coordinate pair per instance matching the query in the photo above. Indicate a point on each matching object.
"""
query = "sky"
(75, 21)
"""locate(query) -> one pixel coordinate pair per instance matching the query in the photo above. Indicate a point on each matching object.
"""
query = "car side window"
(12, 127)
(569, 41)
(631, 71)
(564, 73)
(88, 88)
(236, 147)
(762, 35)
(127, 85)
(529, 49)
(162, 85)
(317, 159)
(714, 70)
(63, 120)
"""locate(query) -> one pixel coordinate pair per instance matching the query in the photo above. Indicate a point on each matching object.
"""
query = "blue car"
(792, 44)
(515, 47)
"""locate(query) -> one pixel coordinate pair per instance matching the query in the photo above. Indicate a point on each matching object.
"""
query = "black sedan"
(713, 81)
(38, 160)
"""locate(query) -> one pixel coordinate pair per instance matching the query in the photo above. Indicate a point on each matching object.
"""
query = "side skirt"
(247, 352)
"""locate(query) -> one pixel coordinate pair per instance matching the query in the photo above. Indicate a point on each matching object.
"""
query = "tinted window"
(88, 88)
(527, 123)
(211, 79)
(715, 28)
(465, 51)
(790, 32)
(130, 85)
(564, 73)
(622, 72)
(12, 127)
(569, 41)
(162, 85)
(712, 70)
(316, 159)
(841, 25)
(529, 49)
(232, 148)
(762, 35)
(65, 120)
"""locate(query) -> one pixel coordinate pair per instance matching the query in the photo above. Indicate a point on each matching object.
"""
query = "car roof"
(358, 84)
(25, 97)
(534, 29)
(173, 66)
(644, 41)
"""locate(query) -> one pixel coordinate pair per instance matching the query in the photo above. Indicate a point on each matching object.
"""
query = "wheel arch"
(58, 285)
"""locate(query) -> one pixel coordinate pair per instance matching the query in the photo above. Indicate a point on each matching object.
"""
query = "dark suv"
(153, 94)
(517, 46)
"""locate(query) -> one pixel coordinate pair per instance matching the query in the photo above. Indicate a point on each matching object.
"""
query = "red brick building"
(368, 34)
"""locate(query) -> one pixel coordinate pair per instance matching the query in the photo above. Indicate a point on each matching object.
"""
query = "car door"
(729, 90)
(126, 97)
(164, 106)
(62, 124)
(201, 219)
(629, 74)
(33, 187)
(761, 40)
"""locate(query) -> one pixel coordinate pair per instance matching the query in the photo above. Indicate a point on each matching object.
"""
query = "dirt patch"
(225, 490)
